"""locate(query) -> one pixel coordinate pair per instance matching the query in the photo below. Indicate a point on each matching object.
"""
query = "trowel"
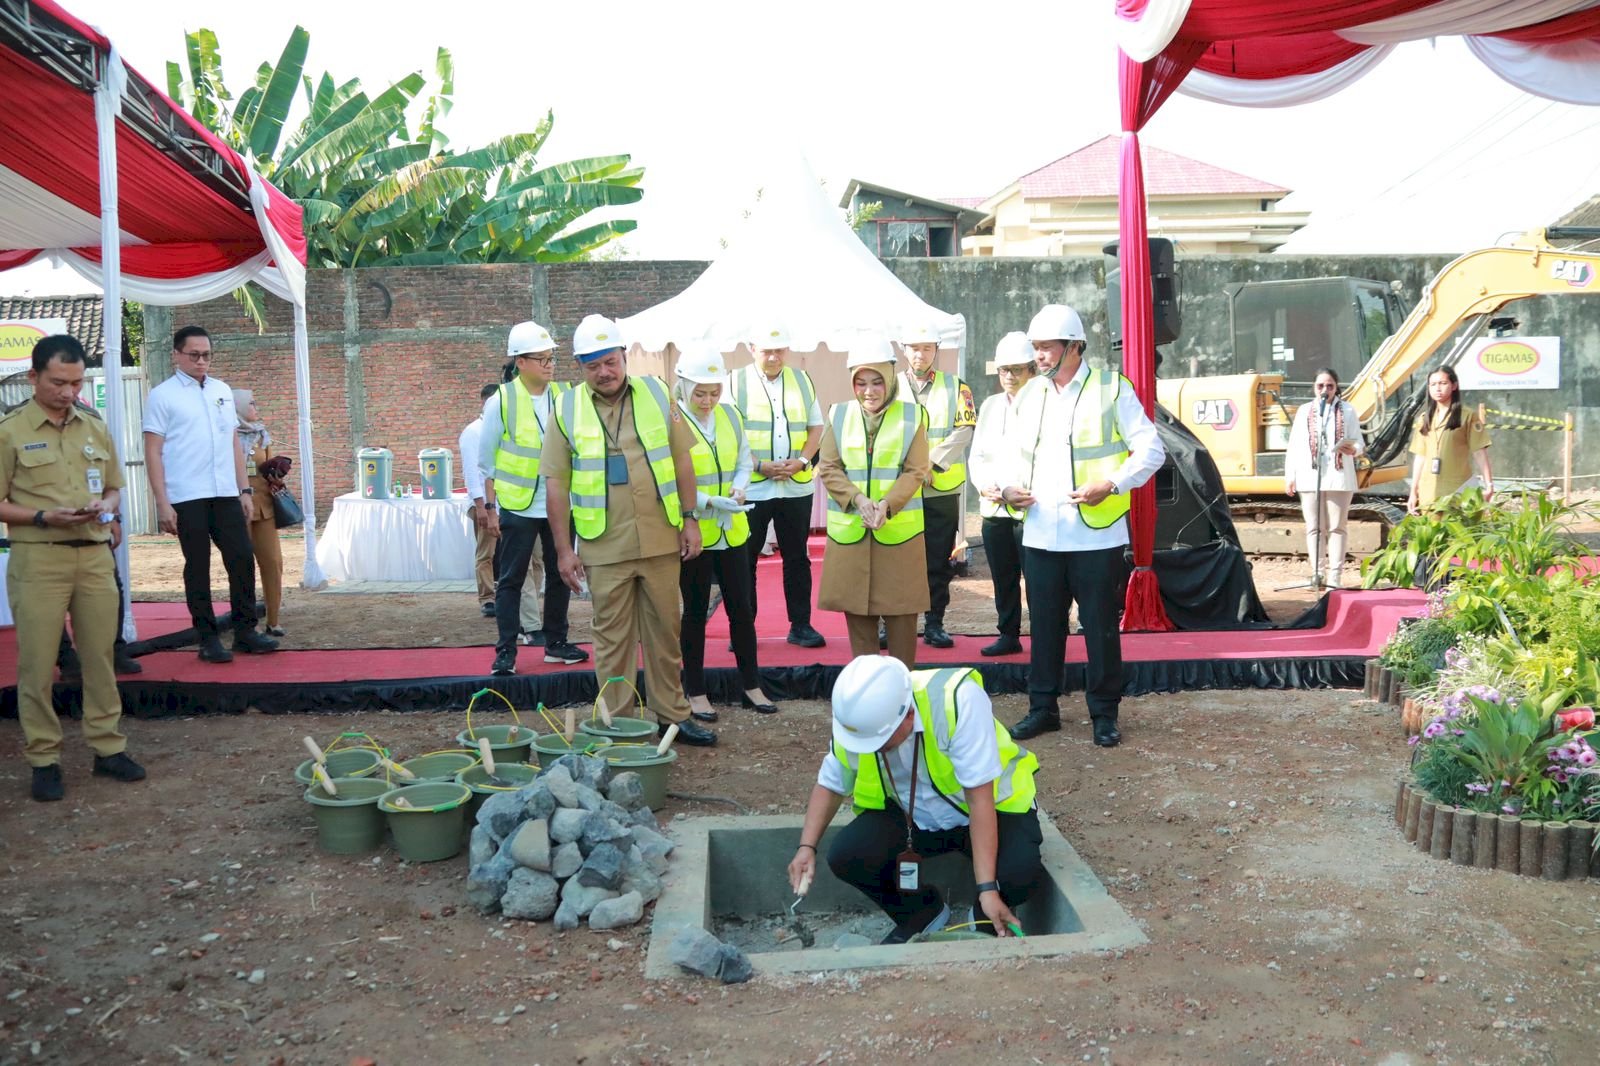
(488, 764)
(797, 925)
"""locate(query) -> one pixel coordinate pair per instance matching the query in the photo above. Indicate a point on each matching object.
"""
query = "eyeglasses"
(1322, 387)
(1014, 371)
(195, 355)
(542, 360)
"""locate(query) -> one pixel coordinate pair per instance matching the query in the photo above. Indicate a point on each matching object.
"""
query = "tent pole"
(312, 577)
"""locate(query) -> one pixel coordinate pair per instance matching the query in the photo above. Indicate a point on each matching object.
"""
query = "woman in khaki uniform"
(1446, 443)
(868, 579)
(257, 445)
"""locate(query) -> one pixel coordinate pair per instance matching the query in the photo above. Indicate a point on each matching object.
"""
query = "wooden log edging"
(1485, 840)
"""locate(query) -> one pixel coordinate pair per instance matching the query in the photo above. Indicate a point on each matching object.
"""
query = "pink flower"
(1576, 718)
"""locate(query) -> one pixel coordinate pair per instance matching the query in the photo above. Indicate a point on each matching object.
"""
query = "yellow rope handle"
(549, 719)
(638, 700)
(493, 692)
(1561, 422)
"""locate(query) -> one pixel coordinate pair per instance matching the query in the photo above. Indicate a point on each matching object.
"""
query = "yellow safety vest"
(874, 470)
(1097, 444)
(943, 402)
(714, 464)
(934, 692)
(756, 407)
(516, 459)
(652, 411)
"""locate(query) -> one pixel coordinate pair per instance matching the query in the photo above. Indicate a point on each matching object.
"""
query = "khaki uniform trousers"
(636, 602)
(44, 583)
(482, 558)
(269, 562)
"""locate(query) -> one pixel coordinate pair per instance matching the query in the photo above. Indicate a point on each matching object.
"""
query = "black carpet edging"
(147, 699)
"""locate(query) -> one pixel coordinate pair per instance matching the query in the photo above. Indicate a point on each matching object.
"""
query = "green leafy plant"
(1417, 649)
(1507, 744)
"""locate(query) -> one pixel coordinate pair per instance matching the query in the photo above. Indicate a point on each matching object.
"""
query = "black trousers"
(217, 520)
(515, 550)
(1096, 581)
(792, 517)
(730, 568)
(1002, 546)
(865, 854)
(941, 519)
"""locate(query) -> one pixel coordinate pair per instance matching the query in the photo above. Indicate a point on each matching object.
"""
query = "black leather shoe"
(252, 643)
(123, 663)
(1038, 721)
(487, 610)
(806, 637)
(1106, 734)
(212, 651)
(883, 636)
(119, 766)
(47, 787)
(702, 716)
(1004, 646)
(934, 636)
(691, 734)
(760, 708)
(505, 664)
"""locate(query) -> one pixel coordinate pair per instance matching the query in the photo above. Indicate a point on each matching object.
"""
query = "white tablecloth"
(5, 603)
(408, 539)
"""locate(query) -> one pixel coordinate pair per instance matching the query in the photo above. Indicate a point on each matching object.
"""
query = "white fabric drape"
(1282, 92)
(1454, 18)
(1143, 40)
(313, 577)
(168, 292)
(1568, 72)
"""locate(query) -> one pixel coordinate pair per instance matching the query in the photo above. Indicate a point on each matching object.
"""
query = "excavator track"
(1269, 526)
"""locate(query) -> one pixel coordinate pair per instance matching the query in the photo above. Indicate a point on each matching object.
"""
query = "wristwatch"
(247, 491)
(38, 520)
(1116, 490)
(988, 886)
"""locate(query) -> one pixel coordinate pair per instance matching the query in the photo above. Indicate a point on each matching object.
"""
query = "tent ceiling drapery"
(1272, 53)
(99, 170)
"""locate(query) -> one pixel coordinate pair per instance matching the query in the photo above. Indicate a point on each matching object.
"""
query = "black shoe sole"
(225, 657)
(807, 642)
(1018, 733)
(244, 649)
(1108, 742)
(947, 643)
(704, 716)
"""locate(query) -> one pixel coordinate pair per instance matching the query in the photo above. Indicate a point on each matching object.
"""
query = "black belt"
(68, 543)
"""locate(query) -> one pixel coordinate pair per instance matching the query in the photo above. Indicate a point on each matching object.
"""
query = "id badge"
(97, 481)
(616, 469)
(1435, 467)
(910, 871)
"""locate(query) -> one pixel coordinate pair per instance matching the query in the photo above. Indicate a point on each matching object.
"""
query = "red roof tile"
(1092, 171)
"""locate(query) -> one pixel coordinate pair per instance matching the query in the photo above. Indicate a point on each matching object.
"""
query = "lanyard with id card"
(616, 463)
(96, 479)
(908, 862)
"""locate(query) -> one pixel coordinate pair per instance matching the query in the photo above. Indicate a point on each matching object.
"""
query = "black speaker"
(1165, 290)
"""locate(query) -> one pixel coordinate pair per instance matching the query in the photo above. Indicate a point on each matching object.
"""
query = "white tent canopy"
(794, 262)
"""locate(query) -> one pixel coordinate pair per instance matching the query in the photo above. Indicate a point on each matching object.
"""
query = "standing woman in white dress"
(1326, 428)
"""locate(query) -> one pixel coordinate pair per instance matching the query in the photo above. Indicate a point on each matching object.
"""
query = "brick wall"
(398, 355)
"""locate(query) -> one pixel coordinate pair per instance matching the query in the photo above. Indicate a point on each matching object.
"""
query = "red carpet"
(176, 681)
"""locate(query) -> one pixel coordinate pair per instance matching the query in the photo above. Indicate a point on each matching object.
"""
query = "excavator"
(1243, 418)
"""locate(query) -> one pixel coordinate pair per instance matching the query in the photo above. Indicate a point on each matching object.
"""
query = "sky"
(1430, 153)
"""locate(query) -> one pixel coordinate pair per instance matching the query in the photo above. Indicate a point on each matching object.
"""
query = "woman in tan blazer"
(873, 566)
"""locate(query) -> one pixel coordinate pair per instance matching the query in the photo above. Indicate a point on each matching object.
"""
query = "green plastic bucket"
(349, 823)
(651, 768)
(551, 746)
(435, 826)
(439, 765)
(344, 762)
(476, 778)
(620, 731)
(506, 745)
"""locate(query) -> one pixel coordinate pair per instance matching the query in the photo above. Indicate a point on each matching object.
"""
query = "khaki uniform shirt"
(636, 523)
(44, 467)
(1452, 448)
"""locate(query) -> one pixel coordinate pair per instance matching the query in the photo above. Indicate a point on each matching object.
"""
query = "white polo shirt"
(199, 431)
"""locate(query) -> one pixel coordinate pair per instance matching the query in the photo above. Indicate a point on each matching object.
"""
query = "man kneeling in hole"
(955, 779)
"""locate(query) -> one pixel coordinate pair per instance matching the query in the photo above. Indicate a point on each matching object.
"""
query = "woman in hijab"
(873, 462)
(256, 444)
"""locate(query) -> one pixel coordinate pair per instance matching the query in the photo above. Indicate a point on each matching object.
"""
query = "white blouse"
(1338, 471)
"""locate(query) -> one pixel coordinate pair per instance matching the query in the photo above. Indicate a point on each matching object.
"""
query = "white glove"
(727, 504)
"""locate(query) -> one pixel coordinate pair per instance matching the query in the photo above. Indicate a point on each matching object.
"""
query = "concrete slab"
(733, 865)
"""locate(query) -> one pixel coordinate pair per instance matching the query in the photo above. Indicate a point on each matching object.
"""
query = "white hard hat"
(771, 335)
(1014, 349)
(701, 363)
(869, 700)
(920, 333)
(869, 348)
(529, 337)
(1056, 322)
(595, 334)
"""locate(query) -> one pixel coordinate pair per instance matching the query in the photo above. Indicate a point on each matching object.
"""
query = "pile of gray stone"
(577, 844)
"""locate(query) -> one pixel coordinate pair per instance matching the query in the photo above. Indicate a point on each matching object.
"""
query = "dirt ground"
(190, 918)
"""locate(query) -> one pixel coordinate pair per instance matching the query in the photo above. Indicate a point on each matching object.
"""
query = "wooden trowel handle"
(488, 756)
(316, 752)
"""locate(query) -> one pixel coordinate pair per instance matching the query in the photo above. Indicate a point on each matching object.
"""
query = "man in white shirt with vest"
(951, 418)
(514, 425)
(1002, 525)
(783, 422)
(469, 444)
(1080, 443)
(203, 495)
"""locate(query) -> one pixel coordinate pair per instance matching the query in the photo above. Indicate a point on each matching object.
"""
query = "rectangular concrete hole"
(731, 870)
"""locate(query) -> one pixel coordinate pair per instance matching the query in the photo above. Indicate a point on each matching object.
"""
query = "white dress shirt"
(198, 427)
(784, 444)
(742, 465)
(1300, 469)
(1053, 522)
(470, 447)
(489, 445)
(986, 465)
(973, 750)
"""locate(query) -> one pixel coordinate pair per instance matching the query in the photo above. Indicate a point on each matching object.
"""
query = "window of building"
(916, 237)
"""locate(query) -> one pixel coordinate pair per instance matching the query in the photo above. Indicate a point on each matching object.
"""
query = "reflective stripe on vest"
(874, 470)
(1097, 445)
(755, 405)
(516, 458)
(943, 401)
(935, 694)
(652, 412)
(714, 464)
